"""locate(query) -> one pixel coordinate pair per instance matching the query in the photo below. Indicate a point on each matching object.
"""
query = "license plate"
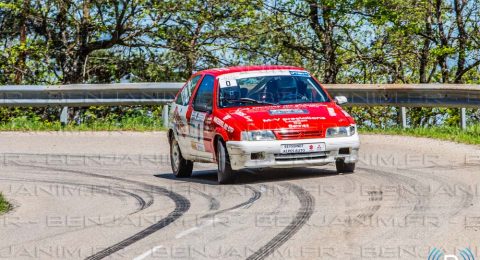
(302, 148)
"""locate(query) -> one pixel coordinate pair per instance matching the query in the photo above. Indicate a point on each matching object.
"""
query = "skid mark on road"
(446, 186)
(101, 189)
(418, 202)
(213, 203)
(141, 202)
(112, 191)
(255, 196)
(181, 206)
(307, 206)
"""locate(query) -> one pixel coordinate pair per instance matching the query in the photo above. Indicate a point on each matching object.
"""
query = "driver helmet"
(286, 86)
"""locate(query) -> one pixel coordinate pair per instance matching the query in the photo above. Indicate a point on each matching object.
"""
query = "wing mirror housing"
(340, 100)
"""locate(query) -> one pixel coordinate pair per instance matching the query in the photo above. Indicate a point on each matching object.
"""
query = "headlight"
(259, 135)
(342, 131)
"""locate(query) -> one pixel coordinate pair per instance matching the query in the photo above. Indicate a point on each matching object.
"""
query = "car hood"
(294, 116)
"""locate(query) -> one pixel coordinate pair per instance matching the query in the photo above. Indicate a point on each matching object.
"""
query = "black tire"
(181, 168)
(225, 173)
(343, 167)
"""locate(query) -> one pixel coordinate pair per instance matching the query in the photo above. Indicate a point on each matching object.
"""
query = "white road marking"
(180, 235)
(148, 253)
(263, 189)
(193, 229)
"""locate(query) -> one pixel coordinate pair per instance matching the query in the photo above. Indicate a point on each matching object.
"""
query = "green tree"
(202, 33)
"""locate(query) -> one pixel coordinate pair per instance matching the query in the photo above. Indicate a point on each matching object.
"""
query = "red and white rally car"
(259, 117)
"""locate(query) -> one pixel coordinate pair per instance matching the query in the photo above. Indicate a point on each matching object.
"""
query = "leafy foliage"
(343, 41)
(94, 118)
(4, 205)
(470, 136)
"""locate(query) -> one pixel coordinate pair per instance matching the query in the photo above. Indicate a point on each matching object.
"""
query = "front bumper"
(266, 154)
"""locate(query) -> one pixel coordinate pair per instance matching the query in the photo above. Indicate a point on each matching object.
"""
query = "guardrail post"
(463, 118)
(165, 116)
(64, 116)
(403, 116)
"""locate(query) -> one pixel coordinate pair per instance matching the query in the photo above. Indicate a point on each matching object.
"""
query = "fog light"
(257, 156)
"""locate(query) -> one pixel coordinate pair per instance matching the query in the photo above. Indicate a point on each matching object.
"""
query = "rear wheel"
(225, 173)
(181, 168)
(343, 167)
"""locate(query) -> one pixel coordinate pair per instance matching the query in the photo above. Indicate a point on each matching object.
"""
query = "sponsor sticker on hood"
(331, 111)
(287, 111)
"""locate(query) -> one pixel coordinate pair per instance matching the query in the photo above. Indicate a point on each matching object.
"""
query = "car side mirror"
(202, 108)
(340, 100)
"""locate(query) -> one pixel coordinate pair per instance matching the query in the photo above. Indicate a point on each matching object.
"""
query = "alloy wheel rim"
(220, 159)
(176, 157)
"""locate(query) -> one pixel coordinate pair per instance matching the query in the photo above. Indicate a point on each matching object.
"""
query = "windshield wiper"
(248, 100)
(251, 100)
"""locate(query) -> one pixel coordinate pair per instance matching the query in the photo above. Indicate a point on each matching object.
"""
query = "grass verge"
(4, 205)
(125, 124)
(469, 136)
(142, 123)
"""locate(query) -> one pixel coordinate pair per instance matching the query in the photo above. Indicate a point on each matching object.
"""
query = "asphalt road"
(112, 195)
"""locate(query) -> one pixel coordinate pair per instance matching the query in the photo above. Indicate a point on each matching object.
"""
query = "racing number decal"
(225, 83)
(197, 123)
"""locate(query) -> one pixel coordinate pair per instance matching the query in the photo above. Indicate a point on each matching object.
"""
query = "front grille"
(299, 156)
(298, 134)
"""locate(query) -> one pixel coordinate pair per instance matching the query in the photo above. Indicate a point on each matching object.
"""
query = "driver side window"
(204, 98)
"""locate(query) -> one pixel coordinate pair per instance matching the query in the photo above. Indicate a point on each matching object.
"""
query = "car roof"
(221, 71)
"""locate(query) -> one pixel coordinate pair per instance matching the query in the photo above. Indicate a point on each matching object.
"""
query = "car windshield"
(286, 88)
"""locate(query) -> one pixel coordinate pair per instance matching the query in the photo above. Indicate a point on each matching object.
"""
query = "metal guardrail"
(409, 95)
(82, 95)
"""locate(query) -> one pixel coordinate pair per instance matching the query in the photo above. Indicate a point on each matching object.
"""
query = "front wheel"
(343, 167)
(225, 173)
(181, 168)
